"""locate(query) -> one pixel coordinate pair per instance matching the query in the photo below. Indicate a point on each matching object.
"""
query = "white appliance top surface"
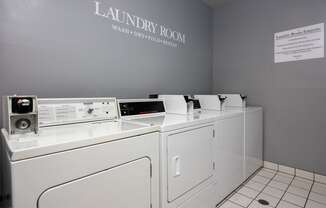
(231, 111)
(169, 122)
(60, 138)
(246, 109)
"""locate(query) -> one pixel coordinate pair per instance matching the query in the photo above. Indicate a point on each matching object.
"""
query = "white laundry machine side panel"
(186, 164)
(6, 175)
(253, 141)
(229, 155)
(128, 185)
(31, 177)
(1, 172)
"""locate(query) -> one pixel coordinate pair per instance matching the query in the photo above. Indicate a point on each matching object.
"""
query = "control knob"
(90, 110)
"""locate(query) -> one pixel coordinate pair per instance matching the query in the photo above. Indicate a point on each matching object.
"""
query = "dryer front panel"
(124, 186)
(189, 160)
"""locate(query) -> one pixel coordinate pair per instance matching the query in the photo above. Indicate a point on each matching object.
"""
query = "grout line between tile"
(246, 195)
(237, 204)
(317, 202)
(304, 178)
(262, 189)
(313, 182)
(314, 173)
(285, 192)
(275, 172)
(298, 194)
(242, 185)
(238, 188)
(292, 203)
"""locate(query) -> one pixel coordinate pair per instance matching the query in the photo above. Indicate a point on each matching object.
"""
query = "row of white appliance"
(144, 153)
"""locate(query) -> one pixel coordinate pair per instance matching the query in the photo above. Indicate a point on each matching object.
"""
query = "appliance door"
(253, 141)
(189, 159)
(203, 199)
(127, 185)
(229, 154)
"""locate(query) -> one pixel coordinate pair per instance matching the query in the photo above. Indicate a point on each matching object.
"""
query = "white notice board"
(299, 44)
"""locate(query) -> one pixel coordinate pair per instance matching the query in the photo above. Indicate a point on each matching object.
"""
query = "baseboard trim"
(296, 172)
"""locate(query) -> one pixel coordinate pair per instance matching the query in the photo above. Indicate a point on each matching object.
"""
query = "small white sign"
(299, 44)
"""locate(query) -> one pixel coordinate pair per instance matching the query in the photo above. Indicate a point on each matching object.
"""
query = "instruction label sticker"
(299, 44)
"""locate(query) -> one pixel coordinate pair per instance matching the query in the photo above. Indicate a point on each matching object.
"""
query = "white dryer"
(186, 151)
(82, 157)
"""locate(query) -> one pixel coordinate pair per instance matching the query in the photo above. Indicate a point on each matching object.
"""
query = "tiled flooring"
(280, 190)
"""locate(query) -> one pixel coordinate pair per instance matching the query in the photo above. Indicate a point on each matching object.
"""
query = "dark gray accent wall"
(293, 94)
(61, 49)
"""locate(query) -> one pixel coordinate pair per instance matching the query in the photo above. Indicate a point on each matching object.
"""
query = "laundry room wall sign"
(299, 44)
(139, 27)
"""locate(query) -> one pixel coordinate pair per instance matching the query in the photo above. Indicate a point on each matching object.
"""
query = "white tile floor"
(280, 190)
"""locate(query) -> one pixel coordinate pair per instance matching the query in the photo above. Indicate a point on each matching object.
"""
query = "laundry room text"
(149, 29)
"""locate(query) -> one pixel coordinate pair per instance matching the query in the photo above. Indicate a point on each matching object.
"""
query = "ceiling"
(215, 3)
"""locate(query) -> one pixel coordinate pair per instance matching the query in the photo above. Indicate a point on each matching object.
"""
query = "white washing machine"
(1, 176)
(253, 132)
(228, 147)
(253, 140)
(238, 141)
(186, 151)
(82, 157)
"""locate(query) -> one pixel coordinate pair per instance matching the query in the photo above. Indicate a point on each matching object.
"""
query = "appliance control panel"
(75, 110)
(135, 107)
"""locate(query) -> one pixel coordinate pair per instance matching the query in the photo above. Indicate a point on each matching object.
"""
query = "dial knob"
(23, 124)
(90, 110)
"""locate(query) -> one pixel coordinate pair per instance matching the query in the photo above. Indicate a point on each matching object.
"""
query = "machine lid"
(151, 112)
(170, 122)
(66, 137)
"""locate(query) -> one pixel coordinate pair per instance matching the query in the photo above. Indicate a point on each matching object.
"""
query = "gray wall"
(293, 94)
(61, 49)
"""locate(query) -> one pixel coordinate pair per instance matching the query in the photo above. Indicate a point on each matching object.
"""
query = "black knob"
(222, 99)
(243, 97)
(23, 124)
(90, 110)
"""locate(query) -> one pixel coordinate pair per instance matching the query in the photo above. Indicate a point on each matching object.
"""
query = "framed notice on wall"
(299, 44)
